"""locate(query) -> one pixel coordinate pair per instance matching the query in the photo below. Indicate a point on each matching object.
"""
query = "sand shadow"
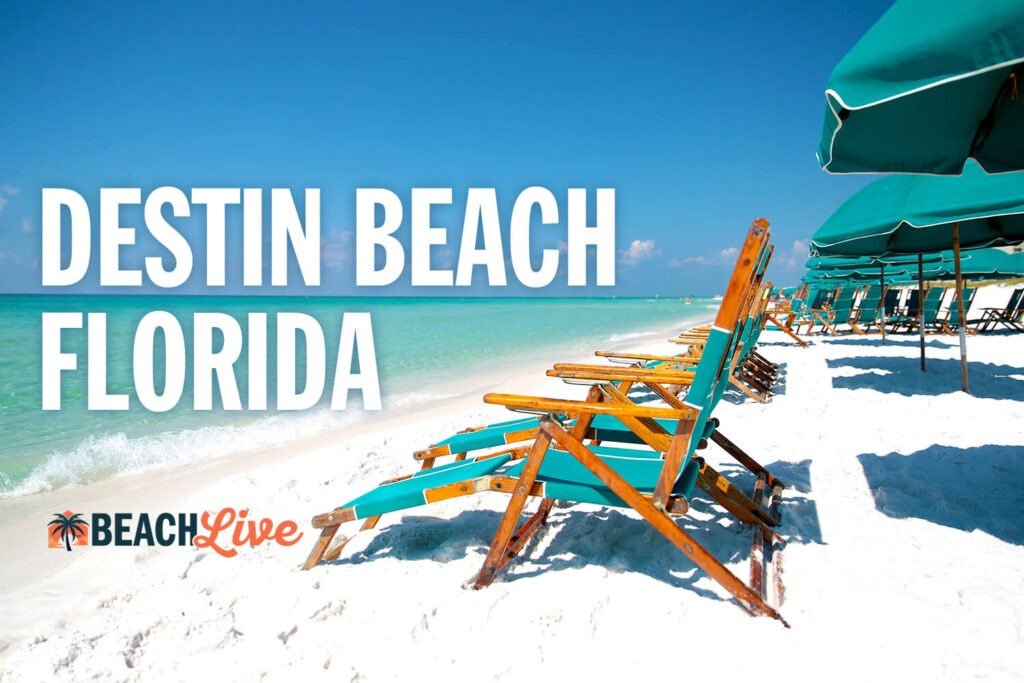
(971, 489)
(890, 341)
(613, 538)
(901, 375)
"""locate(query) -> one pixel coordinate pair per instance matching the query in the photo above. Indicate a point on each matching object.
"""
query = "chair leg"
(741, 456)
(786, 328)
(765, 554)
(335, 552)
(496, 555)
(521, 537)
(661, 521)
(320, 547)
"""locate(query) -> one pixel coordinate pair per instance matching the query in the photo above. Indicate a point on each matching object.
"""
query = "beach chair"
(866, 314)
(842, 310)
(949, 322)
(1009, 316)
(835, 313)
(815, 310)
(927, 313)
(891, 311)
(783, 315)
(560, 464)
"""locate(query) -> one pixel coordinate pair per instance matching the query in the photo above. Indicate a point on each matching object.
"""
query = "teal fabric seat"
(954, 310)
(867, 311)
(564, 478)
(409, 492)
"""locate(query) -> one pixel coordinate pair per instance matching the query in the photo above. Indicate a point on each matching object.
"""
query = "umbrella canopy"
(931, 84)
(912, 214)
(866, 263)
(872, 276)
(977, 264)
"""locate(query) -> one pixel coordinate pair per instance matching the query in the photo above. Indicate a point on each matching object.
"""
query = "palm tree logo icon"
(69, 529)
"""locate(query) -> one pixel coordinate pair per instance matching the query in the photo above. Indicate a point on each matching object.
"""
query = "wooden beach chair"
(949, 322)
(816, 310)
(1008, 316)
(561, 464)
(891, 310)
(837, 312)
(866, 314)
(927, 313)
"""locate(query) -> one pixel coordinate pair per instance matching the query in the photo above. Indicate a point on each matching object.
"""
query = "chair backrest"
(843, 304)
(954, 311)
(711, 373)
(867, 311)
(1016, 303)
(892, 298)
(932, 304)
(820, 297)
(754, 305)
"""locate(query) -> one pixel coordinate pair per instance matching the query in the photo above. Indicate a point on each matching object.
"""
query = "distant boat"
(687, 300)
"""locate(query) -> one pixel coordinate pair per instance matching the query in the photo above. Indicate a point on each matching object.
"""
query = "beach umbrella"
(930, 85)
(882, 270)
(914, 214)
(976, 264)
(918, 214)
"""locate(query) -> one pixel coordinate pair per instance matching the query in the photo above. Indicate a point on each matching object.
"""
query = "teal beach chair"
(563, 462)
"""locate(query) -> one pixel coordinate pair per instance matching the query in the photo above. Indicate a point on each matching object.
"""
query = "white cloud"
(797, 255)
(639, 250)
(26, 226)
(726, 255)
(10, 191)
(336, 249)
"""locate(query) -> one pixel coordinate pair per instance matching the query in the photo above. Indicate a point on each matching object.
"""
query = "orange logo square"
(66, 530)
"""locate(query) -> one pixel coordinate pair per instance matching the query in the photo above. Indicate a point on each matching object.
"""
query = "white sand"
(906, 546)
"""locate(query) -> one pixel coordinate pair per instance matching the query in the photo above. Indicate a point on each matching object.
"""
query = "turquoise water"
(424, 345)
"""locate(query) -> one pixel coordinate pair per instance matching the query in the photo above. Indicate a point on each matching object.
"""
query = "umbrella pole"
(920, 302)
(881, 284)
(960, 307)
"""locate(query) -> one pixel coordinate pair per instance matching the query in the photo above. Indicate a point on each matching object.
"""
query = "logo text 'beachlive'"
(223, 532)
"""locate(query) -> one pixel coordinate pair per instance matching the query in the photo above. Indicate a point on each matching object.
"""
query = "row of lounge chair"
(612, 448)
(867, 308)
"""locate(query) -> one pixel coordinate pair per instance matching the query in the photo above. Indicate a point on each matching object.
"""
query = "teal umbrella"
(931, 84)
(916, 214)
(913, 214)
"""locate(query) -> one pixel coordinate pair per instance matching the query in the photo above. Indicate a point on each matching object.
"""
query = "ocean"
(425, 348)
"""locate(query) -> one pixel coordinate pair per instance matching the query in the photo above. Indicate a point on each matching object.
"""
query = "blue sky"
(703, 116)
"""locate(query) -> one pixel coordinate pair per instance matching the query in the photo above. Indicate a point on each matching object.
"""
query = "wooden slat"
(556, 406)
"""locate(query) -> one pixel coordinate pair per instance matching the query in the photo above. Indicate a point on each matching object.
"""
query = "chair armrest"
(547, 406)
